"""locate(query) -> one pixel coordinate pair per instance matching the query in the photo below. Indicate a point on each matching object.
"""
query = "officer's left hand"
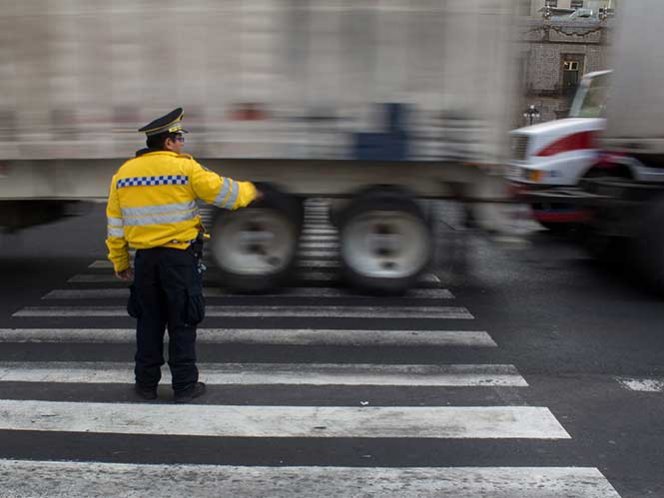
(126, 275)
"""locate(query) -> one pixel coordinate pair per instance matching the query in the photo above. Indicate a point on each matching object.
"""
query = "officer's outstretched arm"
(118, 252)
(221, 191)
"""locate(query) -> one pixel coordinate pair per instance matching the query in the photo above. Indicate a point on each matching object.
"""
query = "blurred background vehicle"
(628, 210)
(562, 152)
(374, 104)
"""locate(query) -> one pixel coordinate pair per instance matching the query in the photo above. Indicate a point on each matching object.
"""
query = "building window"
(571, 66)
(571, 76)
(576, 4)
(550, 3)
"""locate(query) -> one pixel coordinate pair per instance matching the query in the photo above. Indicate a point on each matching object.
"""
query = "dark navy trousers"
(167, 293)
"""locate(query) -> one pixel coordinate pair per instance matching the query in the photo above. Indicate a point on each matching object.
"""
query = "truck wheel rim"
(255, 242)
(385, 244)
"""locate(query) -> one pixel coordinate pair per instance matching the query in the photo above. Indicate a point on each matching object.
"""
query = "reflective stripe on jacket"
(152, 202)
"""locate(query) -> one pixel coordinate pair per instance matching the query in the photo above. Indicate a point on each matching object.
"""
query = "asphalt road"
(573, 330)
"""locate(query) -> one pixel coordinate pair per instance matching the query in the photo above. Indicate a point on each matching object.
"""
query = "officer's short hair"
(158, 141)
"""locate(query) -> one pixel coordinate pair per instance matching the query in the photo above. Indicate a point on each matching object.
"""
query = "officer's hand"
(126, 275)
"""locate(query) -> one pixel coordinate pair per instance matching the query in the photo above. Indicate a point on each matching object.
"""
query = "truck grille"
(519, 147)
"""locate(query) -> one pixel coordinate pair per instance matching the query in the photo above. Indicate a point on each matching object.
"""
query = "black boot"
(147, 393)
(189, 394)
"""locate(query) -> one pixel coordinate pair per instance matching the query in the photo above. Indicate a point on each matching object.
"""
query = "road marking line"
(83, 479)
(89, 294)
(290, 337)
(211, 292)
(99, 264)
(454, 422)
(307, 276)
(317, 263)
(318, 245)
(320, 276)
(311, 236)
(93, 278)
(376, 312)
(318, 237)
(641, 384)
(321, 231)
(313, 254)
(107, 265)
(317, 374)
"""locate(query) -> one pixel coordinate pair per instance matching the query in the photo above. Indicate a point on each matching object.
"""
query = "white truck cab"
(559, 153)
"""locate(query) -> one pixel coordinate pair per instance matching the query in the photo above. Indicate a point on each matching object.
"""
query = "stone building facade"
(557, 52)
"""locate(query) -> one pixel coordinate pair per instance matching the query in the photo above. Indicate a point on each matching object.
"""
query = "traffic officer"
(152, 208)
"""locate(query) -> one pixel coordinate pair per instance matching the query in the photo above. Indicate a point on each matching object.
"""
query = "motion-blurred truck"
(562, 152)
(628, 213)
(378, 104)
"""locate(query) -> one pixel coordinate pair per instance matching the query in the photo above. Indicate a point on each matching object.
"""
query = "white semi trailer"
(378, 103)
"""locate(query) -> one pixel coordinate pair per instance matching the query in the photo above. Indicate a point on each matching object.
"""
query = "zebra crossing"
(310, 405)
(643, 385)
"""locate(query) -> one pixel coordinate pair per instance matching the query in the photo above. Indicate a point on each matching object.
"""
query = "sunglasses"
(179, 138)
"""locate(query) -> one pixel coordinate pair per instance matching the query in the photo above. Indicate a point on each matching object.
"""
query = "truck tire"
(385, 242)
(649, 246)
(254, 248)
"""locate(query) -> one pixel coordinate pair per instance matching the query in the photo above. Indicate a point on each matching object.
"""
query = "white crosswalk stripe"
(308, 254)
(277, 373)
(411, 312)
(319, 237)
(449, 422)
(653, 385)
(312, 276)
(83, 479)
(510, 420)
(287, 337)
(319, 254)
(323, 277)
(318, 245)
(101, 264)
(313, 292)
(319, 231)
(317, 263)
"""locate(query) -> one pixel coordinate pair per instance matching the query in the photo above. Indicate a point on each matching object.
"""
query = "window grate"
(519, 147)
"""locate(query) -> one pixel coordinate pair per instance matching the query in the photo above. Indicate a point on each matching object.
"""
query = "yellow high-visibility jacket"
(152, 202)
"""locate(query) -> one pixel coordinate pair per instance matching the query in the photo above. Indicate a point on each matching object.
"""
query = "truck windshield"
(590, 98)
